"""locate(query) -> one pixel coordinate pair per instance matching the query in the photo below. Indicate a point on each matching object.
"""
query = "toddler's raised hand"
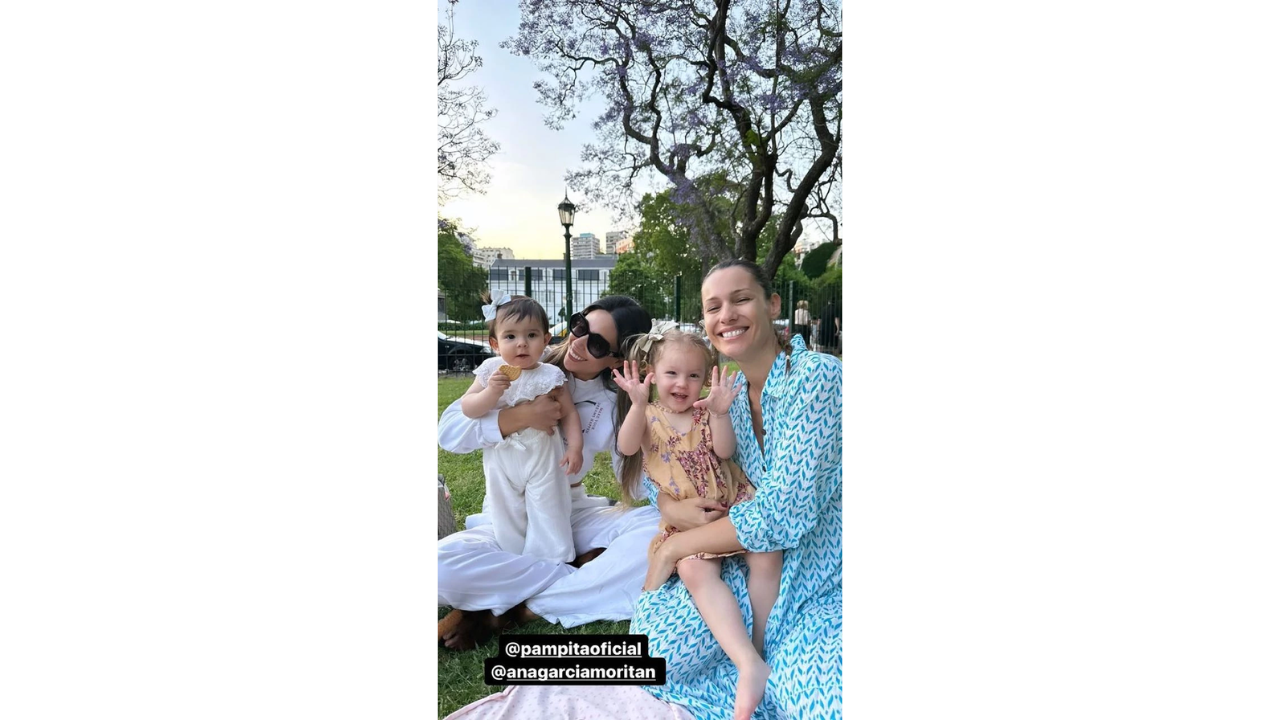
(720, 398)
(630, 382)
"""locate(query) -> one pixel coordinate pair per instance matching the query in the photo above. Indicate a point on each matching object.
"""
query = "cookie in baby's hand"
(511, 371)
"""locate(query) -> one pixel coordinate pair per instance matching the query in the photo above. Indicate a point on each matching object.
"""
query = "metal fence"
(463, 345)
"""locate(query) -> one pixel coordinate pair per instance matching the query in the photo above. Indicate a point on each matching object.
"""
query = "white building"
(805, 245)
(484, 256)
(590, 281)
(809, 242)
(585, 247)
(611, 240)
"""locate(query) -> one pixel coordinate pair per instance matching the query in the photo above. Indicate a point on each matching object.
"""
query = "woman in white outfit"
(476, 577)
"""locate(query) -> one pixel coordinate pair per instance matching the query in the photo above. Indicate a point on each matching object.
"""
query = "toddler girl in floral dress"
(687, 444)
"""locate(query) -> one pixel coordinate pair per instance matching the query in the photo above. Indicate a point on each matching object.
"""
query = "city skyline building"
(584, 247)
(611, 240)
(484, 256)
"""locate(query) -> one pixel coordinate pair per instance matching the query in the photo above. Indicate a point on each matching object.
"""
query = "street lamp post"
(567, 209)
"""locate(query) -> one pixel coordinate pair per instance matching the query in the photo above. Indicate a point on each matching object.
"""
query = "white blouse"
(533, 382)
(595, 403)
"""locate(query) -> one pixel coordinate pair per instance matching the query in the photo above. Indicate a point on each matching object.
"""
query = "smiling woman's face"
(738, 316)
(582, 363)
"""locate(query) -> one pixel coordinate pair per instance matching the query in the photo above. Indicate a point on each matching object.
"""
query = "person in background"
(802, 320)
(829, 329)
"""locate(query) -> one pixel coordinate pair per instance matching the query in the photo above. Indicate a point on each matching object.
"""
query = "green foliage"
(830, 280)
(828, 286)
(663, 245)
(637, 277)
(815, 263)
(460, 280)
(789, 273)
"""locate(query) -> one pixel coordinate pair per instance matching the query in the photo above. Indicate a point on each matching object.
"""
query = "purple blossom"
(771, 102)
(677, 40)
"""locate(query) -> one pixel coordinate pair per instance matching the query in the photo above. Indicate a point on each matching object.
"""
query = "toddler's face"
(520, 342)
(679, 374)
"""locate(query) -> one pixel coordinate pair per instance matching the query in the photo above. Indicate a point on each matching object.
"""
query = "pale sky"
(519, 209)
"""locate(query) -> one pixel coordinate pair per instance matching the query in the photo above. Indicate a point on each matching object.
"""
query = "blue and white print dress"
(797, 508)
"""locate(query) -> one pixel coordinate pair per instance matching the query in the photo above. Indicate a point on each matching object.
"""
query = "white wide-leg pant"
(528, 494)
(475, 573)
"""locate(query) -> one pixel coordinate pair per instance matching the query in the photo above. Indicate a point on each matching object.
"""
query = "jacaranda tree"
(746, 90)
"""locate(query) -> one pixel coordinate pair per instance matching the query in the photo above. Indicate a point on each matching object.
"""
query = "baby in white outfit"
(526, 475)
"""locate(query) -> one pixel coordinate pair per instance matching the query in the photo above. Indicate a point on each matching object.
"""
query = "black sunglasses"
(596, 344)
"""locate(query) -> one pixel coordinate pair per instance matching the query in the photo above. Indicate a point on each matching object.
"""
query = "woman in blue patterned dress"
(788, 430)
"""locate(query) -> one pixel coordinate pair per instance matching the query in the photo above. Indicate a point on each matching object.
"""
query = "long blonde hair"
(647, 356)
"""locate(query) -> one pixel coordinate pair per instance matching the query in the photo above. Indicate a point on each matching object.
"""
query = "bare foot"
(751, 682)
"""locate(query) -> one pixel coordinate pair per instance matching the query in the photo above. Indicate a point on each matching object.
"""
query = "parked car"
(461, 356)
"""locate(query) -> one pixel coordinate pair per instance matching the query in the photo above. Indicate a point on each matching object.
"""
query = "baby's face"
(520, 342)
(679, 375)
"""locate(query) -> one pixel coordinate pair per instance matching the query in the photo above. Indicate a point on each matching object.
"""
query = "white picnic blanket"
(558, 702)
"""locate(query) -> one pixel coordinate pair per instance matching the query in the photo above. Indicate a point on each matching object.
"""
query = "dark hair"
(516, 309)
(758, 275)
(628, 317)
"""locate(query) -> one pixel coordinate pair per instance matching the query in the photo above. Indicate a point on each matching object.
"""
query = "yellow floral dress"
(685, 465)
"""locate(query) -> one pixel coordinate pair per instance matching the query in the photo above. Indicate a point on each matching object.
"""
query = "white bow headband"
(654, 335)
(491, 311)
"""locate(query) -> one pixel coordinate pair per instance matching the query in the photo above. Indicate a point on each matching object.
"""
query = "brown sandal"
(447, 623)
(469, 629)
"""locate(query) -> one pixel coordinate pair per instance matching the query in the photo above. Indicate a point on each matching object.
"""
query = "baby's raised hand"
(572, 461)
(498, 384)
(723, 391)
(630, 382)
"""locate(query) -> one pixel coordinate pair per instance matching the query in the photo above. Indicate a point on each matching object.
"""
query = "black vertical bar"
(791, 308)
(677, 308)
(568, 277)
